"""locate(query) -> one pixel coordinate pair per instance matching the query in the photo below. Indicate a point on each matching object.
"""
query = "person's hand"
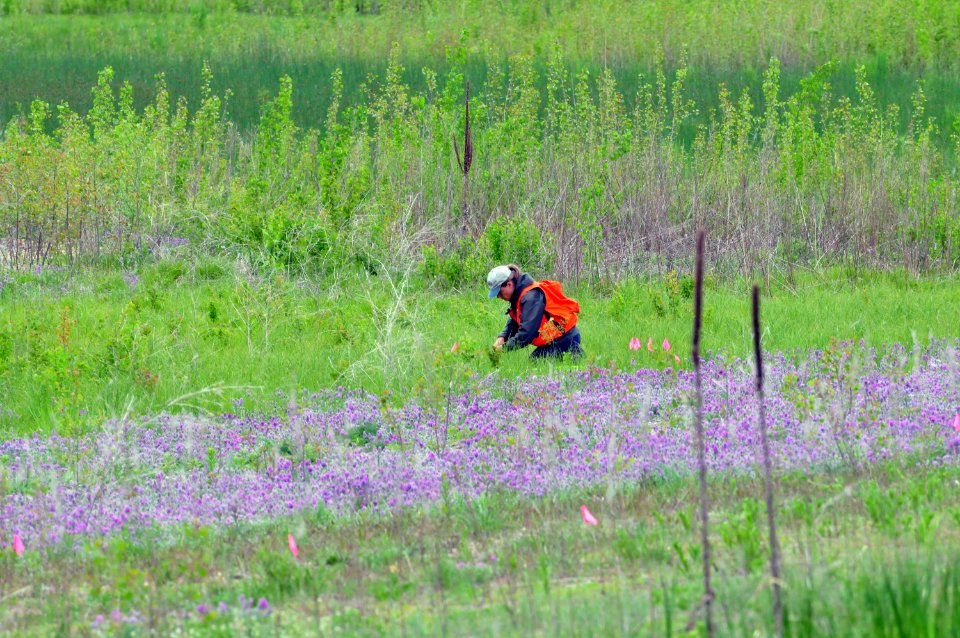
(498, 344)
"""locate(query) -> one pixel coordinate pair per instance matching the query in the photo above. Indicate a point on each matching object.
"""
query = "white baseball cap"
(496, 278)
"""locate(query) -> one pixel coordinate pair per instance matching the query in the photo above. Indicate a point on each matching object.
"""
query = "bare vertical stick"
(767, 468)
(698, 424)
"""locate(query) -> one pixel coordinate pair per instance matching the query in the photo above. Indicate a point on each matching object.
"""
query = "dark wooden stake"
(767, 468)
(698, 424)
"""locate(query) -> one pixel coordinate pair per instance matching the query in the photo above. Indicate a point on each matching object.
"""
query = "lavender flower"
(584, 430)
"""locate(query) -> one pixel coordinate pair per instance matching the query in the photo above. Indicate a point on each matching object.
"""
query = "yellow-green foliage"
(569, 180)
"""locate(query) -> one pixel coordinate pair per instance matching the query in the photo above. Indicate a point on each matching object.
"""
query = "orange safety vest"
(560, 314)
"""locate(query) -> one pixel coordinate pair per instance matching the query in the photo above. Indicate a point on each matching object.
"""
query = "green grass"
(749, 32)
(504, 566)
(78, 348)
(56, 58)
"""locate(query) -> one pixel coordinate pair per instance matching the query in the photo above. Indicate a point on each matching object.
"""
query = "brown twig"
(767, 468)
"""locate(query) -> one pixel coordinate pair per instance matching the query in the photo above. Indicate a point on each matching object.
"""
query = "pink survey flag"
(650, 344)
(18, 544)
(293, 546)
(666, 344)
(588, 518)
(956, 422)
(634, 344)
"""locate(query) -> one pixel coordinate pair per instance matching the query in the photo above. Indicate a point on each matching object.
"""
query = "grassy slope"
(77, 349)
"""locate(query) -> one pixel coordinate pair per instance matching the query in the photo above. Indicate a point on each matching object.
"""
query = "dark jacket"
(532, 307)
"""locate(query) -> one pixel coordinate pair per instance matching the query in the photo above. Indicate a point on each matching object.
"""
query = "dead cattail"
(698, 424)
(767, 468)
(467, 150)
(467, 141)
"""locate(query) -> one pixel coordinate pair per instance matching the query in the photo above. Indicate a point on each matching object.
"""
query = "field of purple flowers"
(342, 451)
(334, 457)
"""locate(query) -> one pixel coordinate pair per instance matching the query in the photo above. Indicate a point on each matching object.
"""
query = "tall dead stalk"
(767, 468)
(698, 424)
(467, 153)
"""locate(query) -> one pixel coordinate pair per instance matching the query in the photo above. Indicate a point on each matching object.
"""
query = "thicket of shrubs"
(566, 179)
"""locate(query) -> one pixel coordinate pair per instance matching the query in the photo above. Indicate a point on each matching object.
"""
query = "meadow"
(246, 383)
(82, 348)
(338, 513)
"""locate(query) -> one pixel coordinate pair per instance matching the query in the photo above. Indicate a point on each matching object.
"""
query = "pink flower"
(455, 347)
(634, 344)
(676, 358)
(666, 344)
(18, 544)
(956, 422)
(650, 344)
(588, 518)
(293, 546)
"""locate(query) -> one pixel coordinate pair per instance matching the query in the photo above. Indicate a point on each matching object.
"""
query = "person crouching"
(539, 314)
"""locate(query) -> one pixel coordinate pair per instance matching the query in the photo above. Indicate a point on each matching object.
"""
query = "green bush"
(206, 268)
(465, 266)
(164, 273)
(520, 241)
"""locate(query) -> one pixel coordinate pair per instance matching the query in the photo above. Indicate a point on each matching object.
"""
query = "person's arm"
(532, 307)
(509, 330)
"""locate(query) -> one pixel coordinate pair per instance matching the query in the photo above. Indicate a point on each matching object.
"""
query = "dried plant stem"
(767, 468)
(467, 153)
(698, 424)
